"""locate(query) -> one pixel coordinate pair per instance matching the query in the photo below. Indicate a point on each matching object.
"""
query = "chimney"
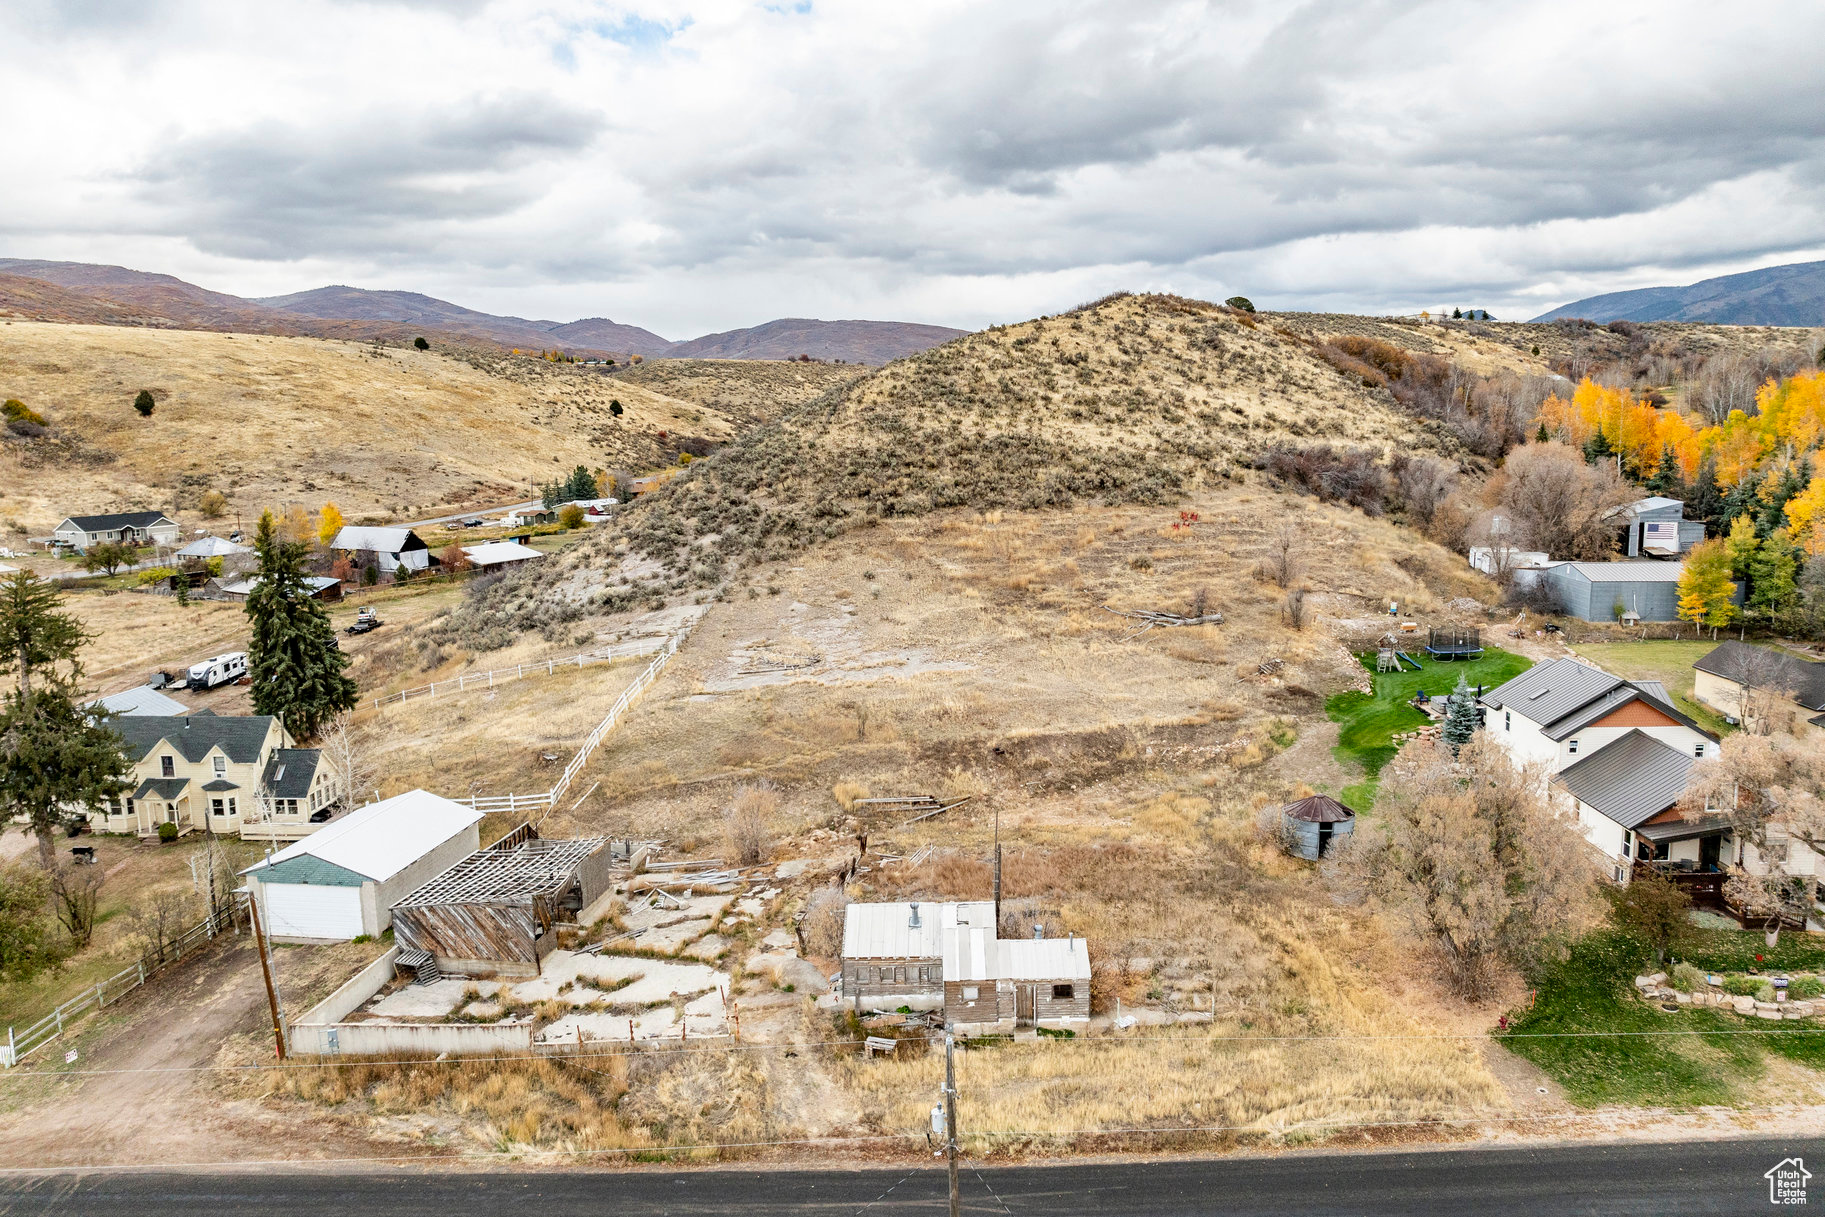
(1039, 931)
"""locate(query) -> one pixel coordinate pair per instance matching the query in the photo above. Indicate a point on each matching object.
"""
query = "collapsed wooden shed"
(494, 912)
(1309, 826)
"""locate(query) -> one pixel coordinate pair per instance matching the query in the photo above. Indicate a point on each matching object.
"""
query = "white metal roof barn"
(343, 880)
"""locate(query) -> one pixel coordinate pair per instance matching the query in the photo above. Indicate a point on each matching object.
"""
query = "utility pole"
(272, 995)
(950, 1115)
(997, 868)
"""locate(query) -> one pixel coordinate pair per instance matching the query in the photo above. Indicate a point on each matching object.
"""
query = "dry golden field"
(753, 390)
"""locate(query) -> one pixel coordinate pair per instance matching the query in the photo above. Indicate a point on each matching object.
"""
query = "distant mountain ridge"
(1793, 294)
(115, 295)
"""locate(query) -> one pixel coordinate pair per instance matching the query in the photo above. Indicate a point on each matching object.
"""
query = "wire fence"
(224, 918)
(549, 798)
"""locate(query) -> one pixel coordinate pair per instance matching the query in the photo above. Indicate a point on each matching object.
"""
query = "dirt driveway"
(170, 1030)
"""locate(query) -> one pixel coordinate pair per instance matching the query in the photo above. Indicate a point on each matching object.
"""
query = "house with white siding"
(1619, 750)
(385, 548)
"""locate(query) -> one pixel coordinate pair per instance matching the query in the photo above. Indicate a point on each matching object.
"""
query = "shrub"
(1740, 985)
(167, 832)
(1686, 978)
(146, 578)
(823, 923)
(213, 505)
(144, 403)
(1337, 475)
(17, 411)
(421, 344)
(571, 516)
(1765, 991)
(1805, 988)
(1242, 303)
(747, 823)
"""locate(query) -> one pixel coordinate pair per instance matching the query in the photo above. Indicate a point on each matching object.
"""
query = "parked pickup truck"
(365, 620)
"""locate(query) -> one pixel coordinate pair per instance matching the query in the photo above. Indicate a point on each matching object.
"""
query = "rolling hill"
(116, 295)
(1792, 295)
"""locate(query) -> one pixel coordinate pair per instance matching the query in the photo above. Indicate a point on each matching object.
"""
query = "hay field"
(271, 420)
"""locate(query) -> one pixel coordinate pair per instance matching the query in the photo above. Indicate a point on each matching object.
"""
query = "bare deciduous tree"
(1284, 542)
(1771, 792)
(348, 754)
(75, 894)
(1472, 856)
(1562, 505)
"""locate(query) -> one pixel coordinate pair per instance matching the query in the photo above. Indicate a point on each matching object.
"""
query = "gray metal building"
(1656, 526)
(1592, 591)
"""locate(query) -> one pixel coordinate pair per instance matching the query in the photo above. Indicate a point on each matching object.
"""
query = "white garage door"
(309, 910)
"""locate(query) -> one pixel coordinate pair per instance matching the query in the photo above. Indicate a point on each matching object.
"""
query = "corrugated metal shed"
(1319, 809)
(892, 931)
(1629, 781)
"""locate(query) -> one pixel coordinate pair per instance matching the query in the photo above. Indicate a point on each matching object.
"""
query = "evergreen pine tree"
(1597, 447)
(296, 666)
(55, 757)
(1460, 716)
(1666, 479)
(1776, 493)
(1543, 436)
(1744, 498)
(1773, 576)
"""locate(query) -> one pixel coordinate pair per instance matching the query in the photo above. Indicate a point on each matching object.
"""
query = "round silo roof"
(1319, 809)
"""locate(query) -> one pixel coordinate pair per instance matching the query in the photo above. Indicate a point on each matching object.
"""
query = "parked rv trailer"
(222, 670)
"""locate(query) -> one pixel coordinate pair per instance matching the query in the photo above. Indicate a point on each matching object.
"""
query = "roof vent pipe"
(1039, 931)
(913, 921)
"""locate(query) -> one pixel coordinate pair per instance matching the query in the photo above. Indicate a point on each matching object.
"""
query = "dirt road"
(176, 1023)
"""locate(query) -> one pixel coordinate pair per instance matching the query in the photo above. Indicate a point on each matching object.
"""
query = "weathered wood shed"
(493, 912)
(1310, 825)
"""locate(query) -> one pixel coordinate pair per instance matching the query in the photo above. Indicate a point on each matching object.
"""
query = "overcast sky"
(694, 166)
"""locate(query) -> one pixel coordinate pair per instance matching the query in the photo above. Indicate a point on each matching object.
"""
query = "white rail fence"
(487, 680)
(549, 798)
(20, 1044)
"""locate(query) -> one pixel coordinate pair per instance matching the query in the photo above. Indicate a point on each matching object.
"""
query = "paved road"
(1646, 1179)
(471, 513)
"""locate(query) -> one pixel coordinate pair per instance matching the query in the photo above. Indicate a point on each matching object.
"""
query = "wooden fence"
(544, 799)
(224, 918)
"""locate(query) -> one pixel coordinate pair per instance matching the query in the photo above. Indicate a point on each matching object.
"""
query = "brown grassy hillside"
(269, 420)
(1133, 400)
(755, 390)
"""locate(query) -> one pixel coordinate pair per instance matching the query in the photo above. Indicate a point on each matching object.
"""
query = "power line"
(1084, 1044)
(533, 1151)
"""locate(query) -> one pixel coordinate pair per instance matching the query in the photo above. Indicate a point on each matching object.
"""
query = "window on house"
(1571, 746)
(131, 810)
(971, 992)
(221, 765)
(1508, 720)
(232, 808)
(291, 807)
(899, 975)
(167, 766)
(1698, 749)
(1063, 992)
(217, 807)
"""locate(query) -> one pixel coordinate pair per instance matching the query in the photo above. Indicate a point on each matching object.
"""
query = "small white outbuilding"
(343, 880)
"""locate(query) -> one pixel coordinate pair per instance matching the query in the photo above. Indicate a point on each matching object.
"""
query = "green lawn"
(1368, 722)
(1593, 991)
(1665, 661)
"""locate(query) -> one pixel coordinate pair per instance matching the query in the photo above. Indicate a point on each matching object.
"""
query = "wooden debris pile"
(1146, 619)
